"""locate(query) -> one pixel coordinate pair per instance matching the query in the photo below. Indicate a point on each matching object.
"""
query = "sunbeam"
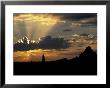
(35, 25)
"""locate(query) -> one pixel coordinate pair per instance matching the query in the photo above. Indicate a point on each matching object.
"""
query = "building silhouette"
(43, 58)
(84, 64)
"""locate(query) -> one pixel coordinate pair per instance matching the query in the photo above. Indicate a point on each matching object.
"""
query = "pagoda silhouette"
(84, 64)
(43, 58)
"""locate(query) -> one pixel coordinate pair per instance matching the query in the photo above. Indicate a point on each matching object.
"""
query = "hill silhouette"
(85, 64)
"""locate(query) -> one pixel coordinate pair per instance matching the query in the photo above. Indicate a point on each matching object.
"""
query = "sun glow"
(35, 55)
(44, 19)
(32, 24)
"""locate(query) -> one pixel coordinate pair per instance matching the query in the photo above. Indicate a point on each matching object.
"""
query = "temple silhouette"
(84, 64)
(43, 58)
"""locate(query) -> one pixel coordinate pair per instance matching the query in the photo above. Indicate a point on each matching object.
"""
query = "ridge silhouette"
(85, 64)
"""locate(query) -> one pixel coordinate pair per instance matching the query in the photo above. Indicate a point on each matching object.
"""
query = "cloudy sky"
(79, 29)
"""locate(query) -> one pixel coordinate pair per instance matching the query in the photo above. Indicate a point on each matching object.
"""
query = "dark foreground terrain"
(85, 64)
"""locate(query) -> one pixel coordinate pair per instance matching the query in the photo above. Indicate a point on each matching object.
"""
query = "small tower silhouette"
(43, 58)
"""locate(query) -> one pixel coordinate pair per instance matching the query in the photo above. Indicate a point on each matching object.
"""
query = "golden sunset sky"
(79, 29)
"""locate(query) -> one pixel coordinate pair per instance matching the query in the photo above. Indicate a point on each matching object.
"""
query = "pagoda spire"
(43, 58)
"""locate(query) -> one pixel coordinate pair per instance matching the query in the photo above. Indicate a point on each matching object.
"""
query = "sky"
(79, 29)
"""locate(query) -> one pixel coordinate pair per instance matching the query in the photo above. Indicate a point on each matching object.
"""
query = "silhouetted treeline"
(85, 64)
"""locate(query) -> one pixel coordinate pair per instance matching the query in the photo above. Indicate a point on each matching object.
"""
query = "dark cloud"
(67, 30)
(87, 22)
(92, 20)
(53, 43)
(76, 16)
(85, 19)
(46, 43)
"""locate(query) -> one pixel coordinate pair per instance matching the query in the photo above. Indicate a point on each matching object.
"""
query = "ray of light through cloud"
(78, 29)
(31, 24)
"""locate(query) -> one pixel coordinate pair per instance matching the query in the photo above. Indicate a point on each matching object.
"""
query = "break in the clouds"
(38, 25)
(58, 35)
